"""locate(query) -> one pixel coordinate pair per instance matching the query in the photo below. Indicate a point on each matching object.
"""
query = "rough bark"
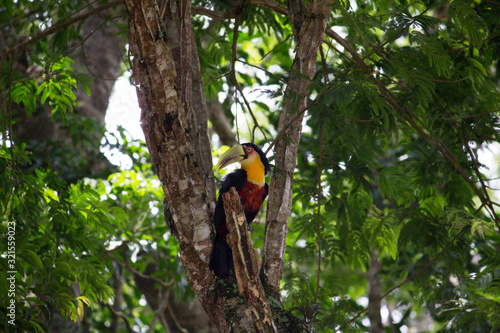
(168, 131)
(176, 18)
(309, 31)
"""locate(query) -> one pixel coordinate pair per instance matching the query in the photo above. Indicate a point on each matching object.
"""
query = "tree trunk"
(178, 146)
(99, 56)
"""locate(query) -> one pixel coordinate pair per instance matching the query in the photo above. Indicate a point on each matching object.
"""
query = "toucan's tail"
(221, 258)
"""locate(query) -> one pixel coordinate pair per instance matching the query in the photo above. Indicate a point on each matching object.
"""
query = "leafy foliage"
(75, 237)
(52, 242)
(400, 174)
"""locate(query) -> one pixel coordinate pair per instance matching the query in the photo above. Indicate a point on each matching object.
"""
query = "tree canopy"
(381, 213)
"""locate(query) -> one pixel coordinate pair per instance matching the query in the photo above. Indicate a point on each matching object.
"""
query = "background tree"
(398, 98)
(72, 149)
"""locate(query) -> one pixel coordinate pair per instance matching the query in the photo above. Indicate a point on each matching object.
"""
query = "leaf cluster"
(384, 187)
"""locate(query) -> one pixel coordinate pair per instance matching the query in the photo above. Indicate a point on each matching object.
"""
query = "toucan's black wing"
(235, 179)
(221, 258)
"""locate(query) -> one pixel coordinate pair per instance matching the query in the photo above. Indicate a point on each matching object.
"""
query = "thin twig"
(337, 50)
(233, 70)
(237, 85)
(159, 312)
(443, 149)
(287, 127)
(216, 78)
(453, 118)
(414, 122)
(133, 270)
(479, 176)
(318, 237)
(81, 43)
(76, 11)
(85, 57)
(174, 319)
(123, 316)
(452, 81)
(381, 46)
(276, 46)
(262, 69)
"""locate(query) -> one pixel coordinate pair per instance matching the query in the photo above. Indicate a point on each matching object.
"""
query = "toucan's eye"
(249, 149)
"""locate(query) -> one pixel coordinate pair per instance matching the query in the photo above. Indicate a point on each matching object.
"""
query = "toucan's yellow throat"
(255, 170)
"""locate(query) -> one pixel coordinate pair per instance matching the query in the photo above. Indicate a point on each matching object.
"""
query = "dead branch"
(258, 310)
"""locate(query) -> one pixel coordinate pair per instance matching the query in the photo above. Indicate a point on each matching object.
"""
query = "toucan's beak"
(232, 155)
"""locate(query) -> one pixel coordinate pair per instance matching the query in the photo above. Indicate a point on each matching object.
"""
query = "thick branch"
(278, 8)
(220, 123)
(216, 15)
(213, 13)
(309, 39)
(246, 265)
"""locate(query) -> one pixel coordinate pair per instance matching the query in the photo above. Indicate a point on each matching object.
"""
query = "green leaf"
(31, 258)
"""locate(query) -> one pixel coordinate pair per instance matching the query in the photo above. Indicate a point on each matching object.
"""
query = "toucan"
(251, 186)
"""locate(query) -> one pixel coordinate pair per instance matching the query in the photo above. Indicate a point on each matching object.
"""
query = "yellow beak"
(232, 155)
